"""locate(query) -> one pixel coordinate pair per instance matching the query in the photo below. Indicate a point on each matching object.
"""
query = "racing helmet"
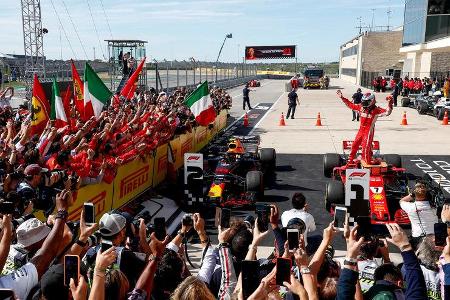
(368, 99)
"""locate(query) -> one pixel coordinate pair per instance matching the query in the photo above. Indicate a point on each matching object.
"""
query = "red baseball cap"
(34, 169)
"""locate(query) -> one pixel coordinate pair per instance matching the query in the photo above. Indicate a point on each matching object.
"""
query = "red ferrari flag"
(129, 87)
(40, 108)
(78, 90)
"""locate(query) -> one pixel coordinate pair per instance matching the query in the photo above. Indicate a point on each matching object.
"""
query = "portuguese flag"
(57, 107)
(39, 108)
(96, 94)
(201, 105)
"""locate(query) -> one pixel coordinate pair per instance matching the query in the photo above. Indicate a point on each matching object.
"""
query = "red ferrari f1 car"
(387, 184)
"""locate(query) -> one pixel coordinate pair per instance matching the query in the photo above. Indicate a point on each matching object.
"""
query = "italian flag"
(57, 111)
(96, 94)
(201, 105)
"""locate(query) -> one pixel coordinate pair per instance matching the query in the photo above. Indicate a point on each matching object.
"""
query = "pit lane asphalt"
(298, 171)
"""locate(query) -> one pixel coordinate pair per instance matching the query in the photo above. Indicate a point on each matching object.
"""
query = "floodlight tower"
(33, 39)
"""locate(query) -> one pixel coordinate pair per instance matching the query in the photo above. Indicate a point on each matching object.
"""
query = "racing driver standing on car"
(369, 113)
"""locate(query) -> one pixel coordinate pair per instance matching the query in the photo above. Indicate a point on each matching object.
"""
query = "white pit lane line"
(235, 121)
(267, 112)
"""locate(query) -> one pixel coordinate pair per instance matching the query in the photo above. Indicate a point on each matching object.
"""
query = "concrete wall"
(381, 50)
(440, 62)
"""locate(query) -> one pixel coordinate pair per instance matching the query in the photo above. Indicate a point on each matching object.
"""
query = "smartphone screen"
(105, 245)
(6, 207)
(364, 225)
(263, 214)
(7, 294)
(71, 268)
(379, 230)
(89, 213)
(225, 216)
(292, 237)
(160, 228)
(339, 217)
(250, 277)
(283, 271)
(440, 234)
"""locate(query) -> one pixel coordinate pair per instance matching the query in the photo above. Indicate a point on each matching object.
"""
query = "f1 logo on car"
(358, 174)
(193, 157)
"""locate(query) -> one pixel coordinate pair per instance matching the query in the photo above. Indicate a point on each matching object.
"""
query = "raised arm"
(49, 250)
(347, 102)
(5, 242)
(384, 112)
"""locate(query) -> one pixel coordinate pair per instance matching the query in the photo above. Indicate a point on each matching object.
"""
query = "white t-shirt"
(421, 215)
(21, 281)
(301, 214)
(433, 282)
(367, 271)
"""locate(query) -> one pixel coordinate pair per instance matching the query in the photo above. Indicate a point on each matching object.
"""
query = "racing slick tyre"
(330, 161)
(334, 194)
(268, 158)
(254, 183)
(393, 159)
(422, 108)
(405, 102)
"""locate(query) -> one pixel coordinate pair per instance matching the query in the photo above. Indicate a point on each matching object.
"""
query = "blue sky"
(179, 29)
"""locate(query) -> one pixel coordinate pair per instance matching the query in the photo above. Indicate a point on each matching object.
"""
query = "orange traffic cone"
(319, 121)
(404, 121)
(282, 123)
(445, 119)
(246, 120)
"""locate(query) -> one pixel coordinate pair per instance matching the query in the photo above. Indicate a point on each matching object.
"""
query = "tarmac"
(423, 135)
(423, 144)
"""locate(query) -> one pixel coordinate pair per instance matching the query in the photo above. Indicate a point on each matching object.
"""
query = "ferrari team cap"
(111, 224)
(34, 169)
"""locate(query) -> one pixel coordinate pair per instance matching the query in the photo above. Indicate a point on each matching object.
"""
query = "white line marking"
(271, 108)
(235, 121)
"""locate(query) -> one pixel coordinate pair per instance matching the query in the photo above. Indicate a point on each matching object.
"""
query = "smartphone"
(250, 277)
(340, 214)
(6, 207)
(379, 230)
(160, 228)
(364, 227)
(440, 234)
(106, 245)
(225, 216)
(7, 294)
(89, 213)
(263, 214)
(217, 217)
(292, 237)
(283, 270)
(71, 268)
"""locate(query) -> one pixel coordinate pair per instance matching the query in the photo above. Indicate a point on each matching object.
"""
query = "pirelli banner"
(101, 195)
(137, 176)
(132, 179)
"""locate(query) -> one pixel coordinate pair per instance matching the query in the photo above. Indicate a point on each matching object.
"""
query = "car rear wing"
(347, 146)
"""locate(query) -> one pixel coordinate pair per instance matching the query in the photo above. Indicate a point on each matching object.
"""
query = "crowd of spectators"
(43, 172)
(406, 86)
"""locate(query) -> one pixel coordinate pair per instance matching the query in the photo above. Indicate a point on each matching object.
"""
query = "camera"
(187, 220)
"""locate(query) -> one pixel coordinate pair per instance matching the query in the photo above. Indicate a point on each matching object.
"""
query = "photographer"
(36, 187)
(420, 212)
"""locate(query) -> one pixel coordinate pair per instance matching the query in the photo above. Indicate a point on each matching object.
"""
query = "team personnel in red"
(369, 114)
